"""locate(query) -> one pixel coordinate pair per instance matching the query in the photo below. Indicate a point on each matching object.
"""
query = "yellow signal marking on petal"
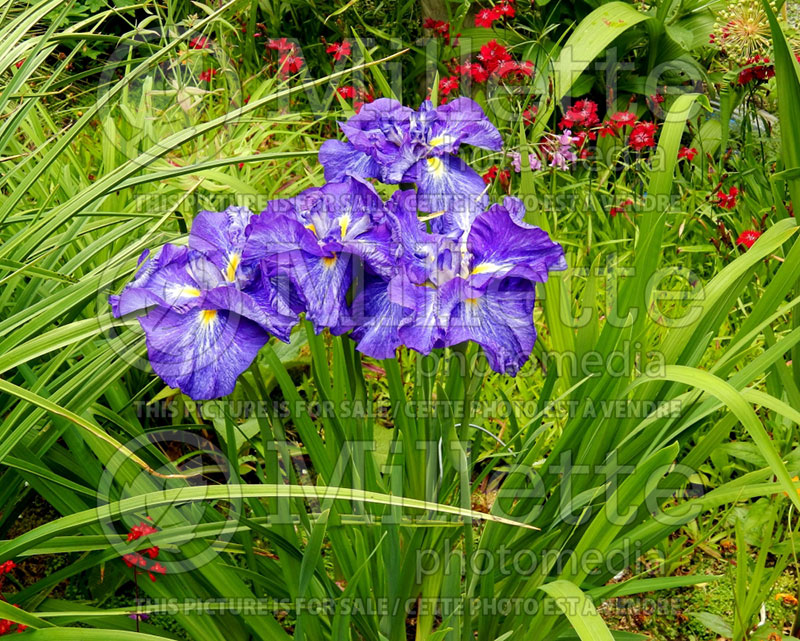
(233, 264)
(344, 221)
(182, 290)
(329, 261)
(436, 166)
(312, 228)
(485, 268)
(471, 301)
(208, 316)
(190, 291)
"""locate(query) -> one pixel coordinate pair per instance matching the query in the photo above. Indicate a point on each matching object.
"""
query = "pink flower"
(339, 49)
(289, 63)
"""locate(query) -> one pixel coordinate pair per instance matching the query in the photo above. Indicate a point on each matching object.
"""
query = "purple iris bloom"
(476, 285)
(205, 312)
(321, 240)
(396, 144)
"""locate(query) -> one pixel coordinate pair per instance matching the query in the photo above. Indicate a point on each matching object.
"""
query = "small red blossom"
(657, 98)
(506, 10)
(138, 531)
(505, 179)
(529, 115)
(19, 63)
(207, 75)
(339, 50)
(687, 153)
(439, 27)
(620, 209)
(486, 18)
(158, 569)
(448, 85)
(280, 45)
(757, 69)
(583, 112)
(490, 175)
(727, 201)
(289, 63)
(346, 91)
(642, 135)
(748, 237)
(623, 119)
(6, 567)
(199, 42)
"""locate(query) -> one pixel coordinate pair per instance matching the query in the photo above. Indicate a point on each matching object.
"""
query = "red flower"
(199, 42)
(642, 135)
(440, 27)
(505, 9)
(505, 178)
(583, 112)
(727, 201)
(289, 63)
(19, 63)
(657, 98)
(448, 85)
(138, 531)
(339, 49)
(486, 17)
(529, 115)
(490, 175)
(346, 91)
(620, 209)
(686, 152)
(748, 237)
(6, 567)
(280, 45)
(493, 54)
(207, 75)
(607, 129)
(158, 569)
(134, 559)
(623, 119)
(757, 69)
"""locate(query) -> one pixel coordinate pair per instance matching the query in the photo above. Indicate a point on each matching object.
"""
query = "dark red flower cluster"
(339, 50)
(290, 60)
(642, 135)
(748, 237)
(495, 59)
(137, 560)
(487, 17)
(687, 153)
(6, 625)
(439, 27)
(620, 209)
(727, 201)
(757, 69)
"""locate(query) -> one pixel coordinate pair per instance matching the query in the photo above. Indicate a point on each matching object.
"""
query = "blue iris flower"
(466, 271)
(396, 144)
(205, 312)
